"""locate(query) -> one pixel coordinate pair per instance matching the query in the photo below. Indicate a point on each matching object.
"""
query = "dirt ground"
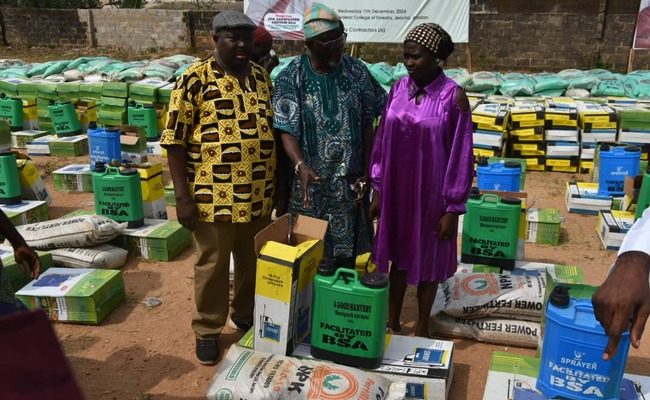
(140, 352)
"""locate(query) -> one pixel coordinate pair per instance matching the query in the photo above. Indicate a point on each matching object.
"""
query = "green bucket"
(349, 316)
(118, 194)
(490, 230)
(64, 118)
(145, 117)
(12, 111)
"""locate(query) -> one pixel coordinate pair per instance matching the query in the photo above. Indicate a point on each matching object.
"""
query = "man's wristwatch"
(296, 168)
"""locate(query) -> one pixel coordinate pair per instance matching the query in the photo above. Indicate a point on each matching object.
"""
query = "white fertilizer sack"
(103, 256)
(494, 295)
(255, 375)
(508, 332)
(80, 231)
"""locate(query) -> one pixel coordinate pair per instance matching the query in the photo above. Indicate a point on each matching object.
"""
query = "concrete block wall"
(141, 29)
(618, 36)
(201, 23)
(36, 27)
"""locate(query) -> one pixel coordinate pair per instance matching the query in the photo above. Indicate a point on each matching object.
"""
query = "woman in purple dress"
(421, 170)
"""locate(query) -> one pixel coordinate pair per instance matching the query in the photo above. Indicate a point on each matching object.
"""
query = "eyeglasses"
(335, 43)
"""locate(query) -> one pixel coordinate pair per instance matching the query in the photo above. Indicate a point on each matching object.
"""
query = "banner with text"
(642, 33)
(379, 21)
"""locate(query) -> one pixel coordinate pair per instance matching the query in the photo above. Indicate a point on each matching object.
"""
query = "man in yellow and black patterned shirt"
(221, 153)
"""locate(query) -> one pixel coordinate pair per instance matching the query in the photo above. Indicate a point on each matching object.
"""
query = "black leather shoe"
(207, 351)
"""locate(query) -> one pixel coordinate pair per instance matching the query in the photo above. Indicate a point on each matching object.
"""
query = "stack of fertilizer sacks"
(497, 306)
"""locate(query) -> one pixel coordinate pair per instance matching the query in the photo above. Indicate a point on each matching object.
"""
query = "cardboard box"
(18, 279)
(583, 198)
(562, 164)
(19, 139)
(26, 212)
(403, 361)
(133, 139)
(154, 149)
(70, 146)
(631, 187)
(491, 114)
(157, 239)
(90, 90)
(425, 365)
(146, 89)
(513, 376)
(31, 184)
(612, 227)
(487, 152)
(75, 294)
(68, 90)
(562, 149)
(535, 134)
(40, 146)
(488, 139)
(562, 135)
(165, 93)
(155, 209)
(170, 195)
(543, 226)
(586, 166)
(115, 89)
(288, 257)
(137, 158)
(73, 178)
(86, 111)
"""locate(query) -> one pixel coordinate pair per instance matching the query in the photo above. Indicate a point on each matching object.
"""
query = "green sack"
(638, 87)
(549, 83)
(93, 67)
(517, 86)
(55, 68)
(578, 79)
(399, 72)
(74, 64)
(284, 61)
(382, 72)
(600, 73)
(180, 70)
(38, 69)
(608, 87)
(130, 74)
(484, 82)
(460, 76)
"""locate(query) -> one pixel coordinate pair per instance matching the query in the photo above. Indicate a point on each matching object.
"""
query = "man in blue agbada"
(324, 104)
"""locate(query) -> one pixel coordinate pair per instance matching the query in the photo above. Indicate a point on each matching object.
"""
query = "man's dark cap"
(230, 19)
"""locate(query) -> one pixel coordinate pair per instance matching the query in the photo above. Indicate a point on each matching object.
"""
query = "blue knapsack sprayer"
(571, 364)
